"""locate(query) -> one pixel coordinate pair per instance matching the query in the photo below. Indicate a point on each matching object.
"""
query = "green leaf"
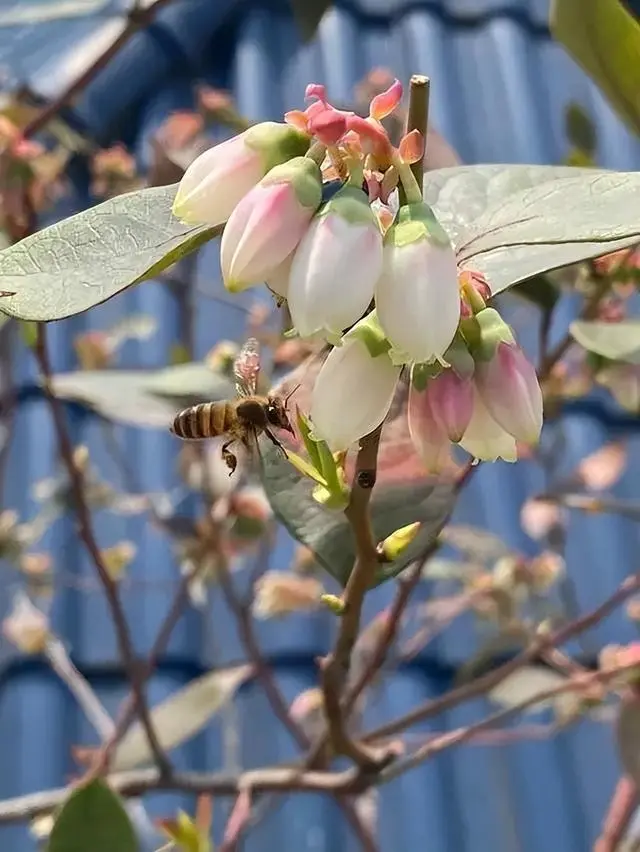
(181, 716)
(604, 39)
(327, 533)
(461, 194)
(93, 819)
(580, 129)
(308, 14)
(143, 398)
(553, 224)
(618, 341)
(82, 261)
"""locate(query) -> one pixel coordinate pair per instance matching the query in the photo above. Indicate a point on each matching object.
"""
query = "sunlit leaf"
(93, 819)
(514, 222)
(619, 341)
(145, 398)
(524, 685)
(604, 39)
(559, 215)
(180, 716)
(84, 260)
(477, 544)
(193, 380)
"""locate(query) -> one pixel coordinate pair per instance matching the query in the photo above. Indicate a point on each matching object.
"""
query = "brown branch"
(335, 667)
(138, 20)
(279, 706)
(140, 781)
(85, 528)
(491, 679)
(467, 733)
(128, 712)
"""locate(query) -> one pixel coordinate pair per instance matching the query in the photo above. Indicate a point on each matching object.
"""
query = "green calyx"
(305, 177)
(416, 222)
(421, 373)
(276, 142)
(352, 205)
(459, 357)
(369, 331)
(484, 332)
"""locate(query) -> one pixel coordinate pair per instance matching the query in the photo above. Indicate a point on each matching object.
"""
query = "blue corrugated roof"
(500, 87)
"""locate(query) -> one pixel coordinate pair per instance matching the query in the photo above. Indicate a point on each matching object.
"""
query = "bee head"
(277, 414)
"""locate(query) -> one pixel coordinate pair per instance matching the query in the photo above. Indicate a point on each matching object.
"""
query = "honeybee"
(243, 419)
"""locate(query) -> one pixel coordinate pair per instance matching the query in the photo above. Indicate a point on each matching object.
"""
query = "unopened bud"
(81, 458)
(27, 627)
(335, 604)
(395, 545)
(118, 558)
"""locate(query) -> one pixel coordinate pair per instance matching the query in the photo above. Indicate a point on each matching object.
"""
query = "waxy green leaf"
(618, 341)
(86, 259)
(93, 819)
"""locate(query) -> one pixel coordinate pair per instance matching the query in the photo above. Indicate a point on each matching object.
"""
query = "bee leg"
(229, 458)
(275, 441)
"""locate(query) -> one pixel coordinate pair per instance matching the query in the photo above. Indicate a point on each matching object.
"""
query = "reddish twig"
(88, 538)
(241, 812)
(622, 808)
(128, 712)
(491, 679)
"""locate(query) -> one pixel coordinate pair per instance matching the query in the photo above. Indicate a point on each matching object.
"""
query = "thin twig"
(128, 712)
(88, 701)
(280, 708)
(466, 733)
(85, 529)
(140, 781)
(621, 811)
(491, 679)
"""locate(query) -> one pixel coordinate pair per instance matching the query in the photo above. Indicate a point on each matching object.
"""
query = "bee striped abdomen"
(206, 420)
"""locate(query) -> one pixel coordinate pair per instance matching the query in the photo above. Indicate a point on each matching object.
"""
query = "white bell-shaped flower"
(354, 390)
(417, 295)
(336, 266)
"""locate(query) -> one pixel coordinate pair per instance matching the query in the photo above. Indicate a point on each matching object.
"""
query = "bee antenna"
(290, 394)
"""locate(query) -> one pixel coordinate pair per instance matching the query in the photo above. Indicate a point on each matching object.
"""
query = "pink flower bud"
(417, 296)
(269, 222)
(218, 179)
(451, 398)
(429, 438)
(510, 391)
(343, 246)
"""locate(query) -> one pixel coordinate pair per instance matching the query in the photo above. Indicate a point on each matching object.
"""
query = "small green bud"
(335, 604)
(395, 544)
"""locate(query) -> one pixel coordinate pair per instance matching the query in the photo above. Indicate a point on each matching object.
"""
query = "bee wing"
(246, 368)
